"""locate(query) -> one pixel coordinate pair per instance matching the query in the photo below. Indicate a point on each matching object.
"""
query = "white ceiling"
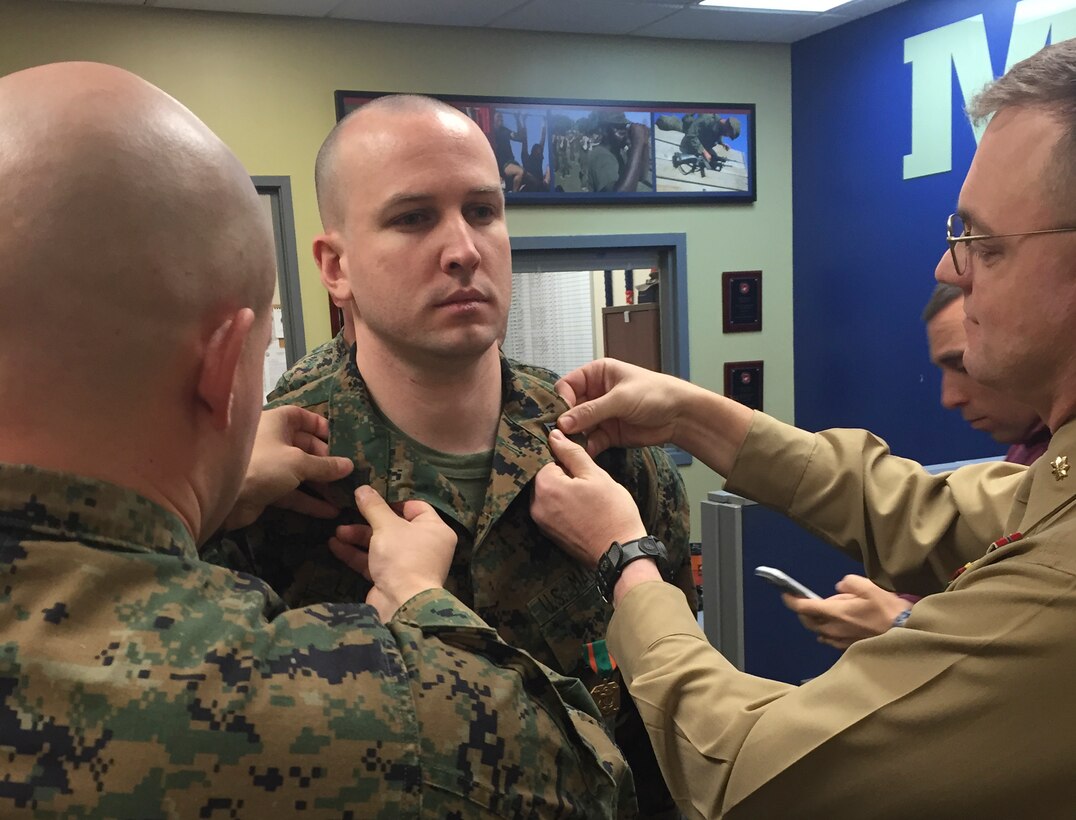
(641, 18)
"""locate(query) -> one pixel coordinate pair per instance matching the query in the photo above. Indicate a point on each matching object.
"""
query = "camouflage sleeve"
(668, 518)
(658, 489)
(283, 387)
(180, 699)
(558, 709)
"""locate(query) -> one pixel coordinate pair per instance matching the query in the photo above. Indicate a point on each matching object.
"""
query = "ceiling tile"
(647, 18)
(290, 8)
(426, 12)
(585, 17)
(716, 24)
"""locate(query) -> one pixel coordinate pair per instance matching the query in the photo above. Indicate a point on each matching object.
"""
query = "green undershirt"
(468, 473)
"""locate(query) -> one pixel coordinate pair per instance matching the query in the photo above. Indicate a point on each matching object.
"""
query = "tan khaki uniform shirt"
(968, 711)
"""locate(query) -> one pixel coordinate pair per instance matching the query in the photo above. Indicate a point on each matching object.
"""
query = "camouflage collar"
(388, 464)
(69, 507)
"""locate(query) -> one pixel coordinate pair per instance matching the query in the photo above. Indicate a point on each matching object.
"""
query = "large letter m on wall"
(963, 46)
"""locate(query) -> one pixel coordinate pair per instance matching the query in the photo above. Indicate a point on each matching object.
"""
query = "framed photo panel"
(610, 151)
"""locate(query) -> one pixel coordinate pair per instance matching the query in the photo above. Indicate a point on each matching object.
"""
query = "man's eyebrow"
(421, 197)
(397, 200)
(969, 218)
(486, 189)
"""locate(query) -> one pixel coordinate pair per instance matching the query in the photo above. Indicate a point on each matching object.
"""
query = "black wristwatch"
(618, 556)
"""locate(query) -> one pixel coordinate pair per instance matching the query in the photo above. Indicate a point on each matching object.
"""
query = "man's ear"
(220, 365)
(333, 277)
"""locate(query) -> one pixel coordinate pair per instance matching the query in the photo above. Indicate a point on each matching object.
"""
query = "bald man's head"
(114, 192)
(330, 174)
(129, 234)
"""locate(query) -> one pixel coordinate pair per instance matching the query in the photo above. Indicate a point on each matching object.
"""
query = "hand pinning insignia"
(1060, 467)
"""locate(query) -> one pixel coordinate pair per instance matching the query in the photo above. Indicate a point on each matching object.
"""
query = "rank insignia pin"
(1060, 467)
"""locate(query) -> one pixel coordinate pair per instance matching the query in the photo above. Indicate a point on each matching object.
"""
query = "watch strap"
(612, 563)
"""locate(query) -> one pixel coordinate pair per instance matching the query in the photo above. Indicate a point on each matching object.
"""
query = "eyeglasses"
(959, 240)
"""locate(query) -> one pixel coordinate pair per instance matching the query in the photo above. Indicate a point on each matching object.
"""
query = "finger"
(806, 607)
(792, 602)
(585, 416)
(324, 468)
(357, 535)
(598, 441)
(836, 644)
(373, 508)
(305, 504)
(307, 421)
(309, 443)
(352, 557)
(549, 473)
(571, 456)
(566, 391)
(856, 585)
(809, 624)
(413, 508)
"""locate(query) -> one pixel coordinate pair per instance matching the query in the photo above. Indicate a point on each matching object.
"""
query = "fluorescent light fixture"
(810, 6)
(1029, 10)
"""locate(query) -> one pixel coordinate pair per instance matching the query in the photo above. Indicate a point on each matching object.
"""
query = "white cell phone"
(785, 582)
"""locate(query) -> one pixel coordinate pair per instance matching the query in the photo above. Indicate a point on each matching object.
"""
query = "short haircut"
(325, 170)
(942, 296)
(1047, 81)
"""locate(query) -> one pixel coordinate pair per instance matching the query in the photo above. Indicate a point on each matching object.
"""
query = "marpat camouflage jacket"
(516, 579)
(138, 681)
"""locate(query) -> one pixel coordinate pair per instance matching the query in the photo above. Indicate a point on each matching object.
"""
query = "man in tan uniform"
(861, 608)
(966, 711)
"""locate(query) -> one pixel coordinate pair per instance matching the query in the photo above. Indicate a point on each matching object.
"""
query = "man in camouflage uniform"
(705, 135)
(620, 160)
(416, 244)
(135, 679)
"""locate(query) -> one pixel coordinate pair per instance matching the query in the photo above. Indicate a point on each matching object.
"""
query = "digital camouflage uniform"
(515, 578)
(326, 357)
(322, 359)
(138, 681)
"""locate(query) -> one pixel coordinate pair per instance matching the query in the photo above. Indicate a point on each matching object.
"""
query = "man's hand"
(289, 449)
(619, 405)
(402, 555)
(579, 506)
(861, 609)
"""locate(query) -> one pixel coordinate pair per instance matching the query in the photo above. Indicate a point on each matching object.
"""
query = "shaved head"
(129, 237)
(330, 175)
(121, 213)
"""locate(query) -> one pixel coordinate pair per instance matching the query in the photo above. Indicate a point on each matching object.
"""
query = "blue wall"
(865, 240)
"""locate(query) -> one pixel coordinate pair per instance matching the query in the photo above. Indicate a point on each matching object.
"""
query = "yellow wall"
(265, 85)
